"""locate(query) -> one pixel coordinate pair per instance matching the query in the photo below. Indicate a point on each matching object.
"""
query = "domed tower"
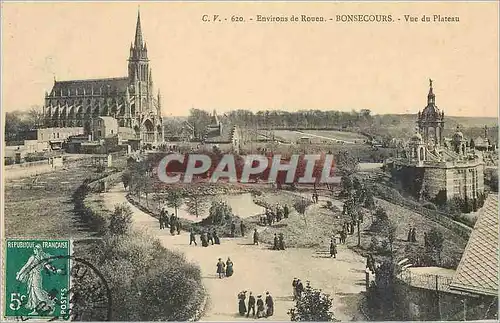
(417, 148)
(431, 121)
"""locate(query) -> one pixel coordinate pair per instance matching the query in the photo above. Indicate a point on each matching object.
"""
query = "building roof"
(79, 87)
(109, 122)
(477, 272)
(225, 136)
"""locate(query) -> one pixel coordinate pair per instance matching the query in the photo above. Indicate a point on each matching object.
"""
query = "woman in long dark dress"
(241, 304)
(229, 267)
(260, 307)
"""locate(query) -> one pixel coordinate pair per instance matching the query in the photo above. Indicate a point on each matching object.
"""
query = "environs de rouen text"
(339, 18)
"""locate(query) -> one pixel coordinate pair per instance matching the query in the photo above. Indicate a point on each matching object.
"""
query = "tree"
(369, 201)
(345, 163)
(301, 206)
(346, 184)
(314, 305)
(200, 119)
(35, 117)
(390, 229)
(121, 220)
(174, 199)
(126, 179)
(435, 241)
(196, 204)
(353, 210)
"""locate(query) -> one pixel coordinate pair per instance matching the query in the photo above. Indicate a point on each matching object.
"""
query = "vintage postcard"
(242, 161)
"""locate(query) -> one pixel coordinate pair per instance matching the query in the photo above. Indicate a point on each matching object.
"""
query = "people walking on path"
(281, 242)
(204, 240)
(229, 267)
(216, 237)
(178, 226)
(269, 305)
(286, 211)
(414, 235)
(260, 307)
(242, 308)
(251, 305)
(333, 248)
(233, 229)
(210, 238)
(192, 238)
(255, 237)
(242, 228)
(276, 242)
(221, 268)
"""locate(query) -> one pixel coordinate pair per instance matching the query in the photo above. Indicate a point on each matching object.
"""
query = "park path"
(258, 269)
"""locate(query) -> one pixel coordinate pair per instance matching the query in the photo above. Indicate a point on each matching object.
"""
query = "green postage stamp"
(37, 278)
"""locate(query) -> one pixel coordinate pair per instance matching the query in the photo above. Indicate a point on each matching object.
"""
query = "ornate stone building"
(130, 99)
(430, 166)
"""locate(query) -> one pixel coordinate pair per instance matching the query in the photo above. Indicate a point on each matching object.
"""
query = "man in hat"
(269, 305)
(255, 237)
(251, 304)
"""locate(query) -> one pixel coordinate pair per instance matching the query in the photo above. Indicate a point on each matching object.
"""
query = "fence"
(426, 281)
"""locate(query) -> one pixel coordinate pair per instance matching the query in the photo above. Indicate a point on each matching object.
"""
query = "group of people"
(271, 216)
(169, 221)
(315, 197)
(298, 288)
(225, 269)
(412, 235)
(233, 229)
(279, 242)
(206, 238)
(264, 308)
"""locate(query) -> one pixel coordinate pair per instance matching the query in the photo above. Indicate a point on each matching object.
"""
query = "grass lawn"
(404, 218)
(338, 135)
(45, 210)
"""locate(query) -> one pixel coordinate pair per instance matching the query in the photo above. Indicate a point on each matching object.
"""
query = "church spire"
(138, 32)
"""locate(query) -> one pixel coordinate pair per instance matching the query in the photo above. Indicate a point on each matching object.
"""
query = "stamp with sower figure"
(44, 281)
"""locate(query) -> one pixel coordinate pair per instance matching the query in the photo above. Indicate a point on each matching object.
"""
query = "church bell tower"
(138, 71)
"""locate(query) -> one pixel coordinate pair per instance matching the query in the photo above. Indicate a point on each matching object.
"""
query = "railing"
(426, 281)
(29, 164)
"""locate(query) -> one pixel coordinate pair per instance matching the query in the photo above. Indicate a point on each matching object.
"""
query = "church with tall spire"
(130, 101)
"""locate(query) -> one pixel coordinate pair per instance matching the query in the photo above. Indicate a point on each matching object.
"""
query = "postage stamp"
(37, 278)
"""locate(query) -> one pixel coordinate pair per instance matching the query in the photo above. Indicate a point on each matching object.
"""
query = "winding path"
(258, 269)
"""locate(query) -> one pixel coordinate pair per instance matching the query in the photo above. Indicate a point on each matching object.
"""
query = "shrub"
(147, 281)
(121, 220)
(312, 306)
(430, 206)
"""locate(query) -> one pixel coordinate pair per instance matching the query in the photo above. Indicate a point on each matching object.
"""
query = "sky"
(253, 65)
